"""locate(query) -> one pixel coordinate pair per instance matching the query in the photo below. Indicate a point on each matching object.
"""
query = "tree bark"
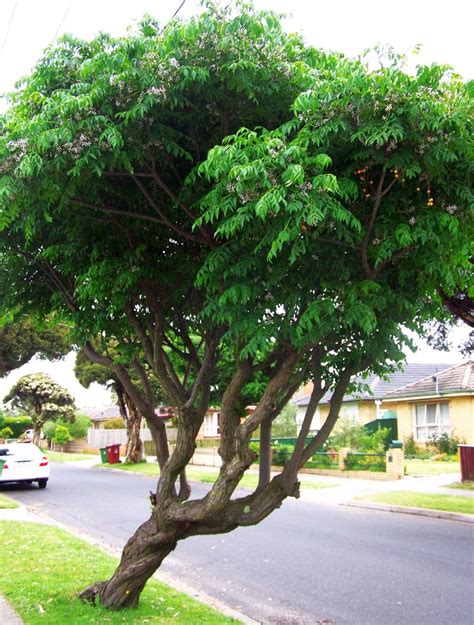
(135, 449)
(142, 555)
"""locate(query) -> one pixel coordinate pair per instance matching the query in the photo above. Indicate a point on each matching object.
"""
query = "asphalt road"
(308, 563)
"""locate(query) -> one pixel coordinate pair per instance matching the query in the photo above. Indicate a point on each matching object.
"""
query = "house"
(436, 404)
(368, 405)
(99, 416)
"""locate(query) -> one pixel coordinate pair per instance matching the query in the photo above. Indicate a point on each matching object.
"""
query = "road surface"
(308, 563)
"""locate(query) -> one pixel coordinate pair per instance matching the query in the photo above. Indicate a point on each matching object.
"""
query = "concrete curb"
(435, 514)
(8, 616)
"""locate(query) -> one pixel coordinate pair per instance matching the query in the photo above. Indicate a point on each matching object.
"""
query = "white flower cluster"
(412, 221)
(174, 62)
(17, 152)
(230, 187)
(76, 148)
(245, 197)
(451, 209)
(158, 92)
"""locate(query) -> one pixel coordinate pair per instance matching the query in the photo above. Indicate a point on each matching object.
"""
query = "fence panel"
(101, 438)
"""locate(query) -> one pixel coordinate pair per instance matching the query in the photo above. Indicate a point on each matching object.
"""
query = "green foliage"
(61, 435)
(21, 340)
(348, 433)
(17, 424)
(445, 443)
(114, 424)
(365, 462)
(281, 454)
(285, 423)
(6, 432)
(77, 428)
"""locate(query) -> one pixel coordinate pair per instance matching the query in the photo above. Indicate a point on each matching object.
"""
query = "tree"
(42, 399)
(247, 213)
(22, 340)
(87, 372)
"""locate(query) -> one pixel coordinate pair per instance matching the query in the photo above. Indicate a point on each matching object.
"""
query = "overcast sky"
(443, 29)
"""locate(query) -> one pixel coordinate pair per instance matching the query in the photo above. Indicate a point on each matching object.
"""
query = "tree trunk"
(141, 557)
(135, 448)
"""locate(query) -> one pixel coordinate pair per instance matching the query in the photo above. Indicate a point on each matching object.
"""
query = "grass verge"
(431, 501)
(207, 475)
(461, 485)
(430, 467)
(59, 456)
(6, 503)
(46, 592)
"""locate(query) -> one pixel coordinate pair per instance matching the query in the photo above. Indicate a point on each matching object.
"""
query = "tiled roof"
(101, 414)
(412, 372)
(459, 378)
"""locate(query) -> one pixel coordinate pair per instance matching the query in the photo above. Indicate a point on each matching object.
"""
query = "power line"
(179, 9)
(9, 26)
(62, 20)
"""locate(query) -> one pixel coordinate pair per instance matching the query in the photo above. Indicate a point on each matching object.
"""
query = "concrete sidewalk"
(346, 488)
(8, 616)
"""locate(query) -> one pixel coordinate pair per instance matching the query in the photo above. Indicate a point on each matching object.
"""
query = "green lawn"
(462, 485)
(41, 583)
(59, 456)
(7, 503)
(431, 467)
(207, 475)
(432, 501)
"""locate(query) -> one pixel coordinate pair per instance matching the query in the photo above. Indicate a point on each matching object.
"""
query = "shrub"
(114, 424)
(78, 428)
(410, 447)
(49, 429)
(444, 443)
(350, 434)
(6, 433)
(281, 454)
(255, 447)
(17, 425)
(61, 435)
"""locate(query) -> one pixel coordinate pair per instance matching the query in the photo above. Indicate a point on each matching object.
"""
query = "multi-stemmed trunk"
(173, 518)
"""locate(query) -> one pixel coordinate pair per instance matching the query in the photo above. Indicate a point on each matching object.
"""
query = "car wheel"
(42, 483)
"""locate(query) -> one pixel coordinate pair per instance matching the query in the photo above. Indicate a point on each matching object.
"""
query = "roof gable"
(455, 379)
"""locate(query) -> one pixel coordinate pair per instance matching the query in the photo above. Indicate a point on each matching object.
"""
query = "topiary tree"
(43, 400)
(242, 211)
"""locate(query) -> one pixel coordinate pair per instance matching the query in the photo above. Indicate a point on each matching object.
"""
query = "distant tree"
(23, 339)
(42, 399)
(285, 423)
(88, 372)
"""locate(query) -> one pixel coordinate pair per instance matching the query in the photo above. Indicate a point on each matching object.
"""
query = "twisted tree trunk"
(141, 557)
(135, 449)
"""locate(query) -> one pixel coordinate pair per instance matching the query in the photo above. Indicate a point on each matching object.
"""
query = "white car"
(23, 462)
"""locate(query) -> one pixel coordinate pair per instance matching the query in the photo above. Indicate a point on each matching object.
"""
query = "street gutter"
(436, 514)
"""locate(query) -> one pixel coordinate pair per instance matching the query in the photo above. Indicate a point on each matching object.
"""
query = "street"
(308, 563)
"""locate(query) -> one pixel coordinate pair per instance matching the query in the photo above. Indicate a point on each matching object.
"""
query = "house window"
(431, 419)
(211, 424)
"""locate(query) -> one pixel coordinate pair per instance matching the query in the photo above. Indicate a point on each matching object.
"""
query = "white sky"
(444, 30)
